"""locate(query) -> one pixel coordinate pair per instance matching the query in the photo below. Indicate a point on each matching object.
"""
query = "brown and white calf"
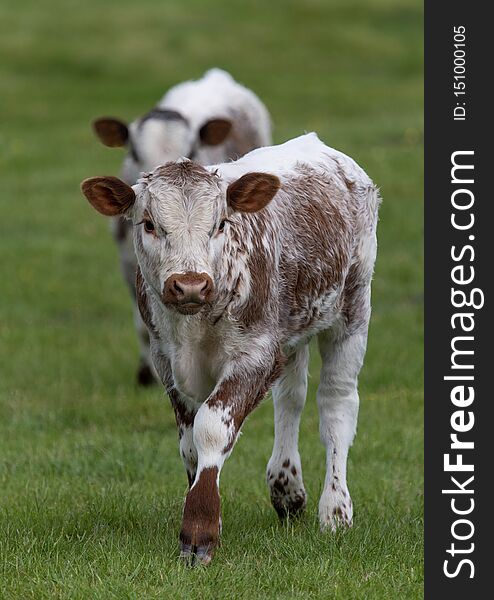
(211, 120)
(240, 265)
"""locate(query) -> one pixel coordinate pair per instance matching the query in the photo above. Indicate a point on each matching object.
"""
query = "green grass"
(91, 483)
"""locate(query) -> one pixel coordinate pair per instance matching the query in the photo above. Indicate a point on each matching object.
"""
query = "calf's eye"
(221, 228)
(148, 226)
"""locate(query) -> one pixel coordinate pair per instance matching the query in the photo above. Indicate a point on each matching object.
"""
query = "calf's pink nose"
(188, 287)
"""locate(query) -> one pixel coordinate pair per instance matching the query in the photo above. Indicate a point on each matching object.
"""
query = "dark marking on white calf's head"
(163, 114)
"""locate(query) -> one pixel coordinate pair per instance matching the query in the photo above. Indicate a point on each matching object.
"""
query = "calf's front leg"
(213, 435)
(216, 427)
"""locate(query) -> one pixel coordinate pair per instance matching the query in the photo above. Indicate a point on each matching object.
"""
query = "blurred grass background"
(91, 483)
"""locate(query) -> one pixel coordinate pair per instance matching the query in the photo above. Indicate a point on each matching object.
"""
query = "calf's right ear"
(108, 195)
(112, 132)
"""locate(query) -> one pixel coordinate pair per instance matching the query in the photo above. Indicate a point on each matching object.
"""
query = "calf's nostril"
(177, 287)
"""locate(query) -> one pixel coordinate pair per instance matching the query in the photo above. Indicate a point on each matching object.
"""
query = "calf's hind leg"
(145, 370)
(284, 470)
(338, 402)
(122, 232)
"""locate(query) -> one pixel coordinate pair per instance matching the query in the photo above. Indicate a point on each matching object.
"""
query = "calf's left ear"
(109, 195)
(252, 192)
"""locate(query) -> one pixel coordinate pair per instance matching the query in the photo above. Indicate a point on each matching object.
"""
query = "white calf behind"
(213, 119)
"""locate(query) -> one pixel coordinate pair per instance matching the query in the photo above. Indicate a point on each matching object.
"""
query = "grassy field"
(91, 483)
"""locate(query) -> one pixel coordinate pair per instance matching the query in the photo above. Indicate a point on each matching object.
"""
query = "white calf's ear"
(108, 195)
(215, 132)
(252, 192)
(112, 132)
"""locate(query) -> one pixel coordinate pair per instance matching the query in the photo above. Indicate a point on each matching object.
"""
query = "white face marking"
(158, 141)
(186, 219)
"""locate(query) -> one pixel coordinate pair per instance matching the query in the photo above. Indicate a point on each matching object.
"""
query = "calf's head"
(183, 225)
(159, 136)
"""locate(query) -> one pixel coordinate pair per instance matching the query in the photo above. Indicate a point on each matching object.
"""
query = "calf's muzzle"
(187, 292)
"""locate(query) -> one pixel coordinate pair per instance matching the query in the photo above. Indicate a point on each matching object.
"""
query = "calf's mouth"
(189, 308)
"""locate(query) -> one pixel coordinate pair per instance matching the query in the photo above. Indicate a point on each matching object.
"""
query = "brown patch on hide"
(109, 195)
(215, 131)
(330, 240)
(317, 230)
(260, 307)
(201, 518)
(252, 192)
(320, 248)
(243, 394)
(183, 415)
(355, 308)
(111, 132)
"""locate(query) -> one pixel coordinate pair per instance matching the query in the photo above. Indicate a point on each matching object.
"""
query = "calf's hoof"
(287, 491)
(289, 505)
(197, 544)
(196, 555)
(145, 376)
(335, 509)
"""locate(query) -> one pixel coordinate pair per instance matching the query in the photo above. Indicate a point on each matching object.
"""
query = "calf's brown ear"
(252, 192)
(112, 132)
(215, 132)
(108, 195)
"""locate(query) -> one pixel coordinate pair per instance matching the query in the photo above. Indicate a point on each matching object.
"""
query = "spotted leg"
(338, 403)
(284, 470)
